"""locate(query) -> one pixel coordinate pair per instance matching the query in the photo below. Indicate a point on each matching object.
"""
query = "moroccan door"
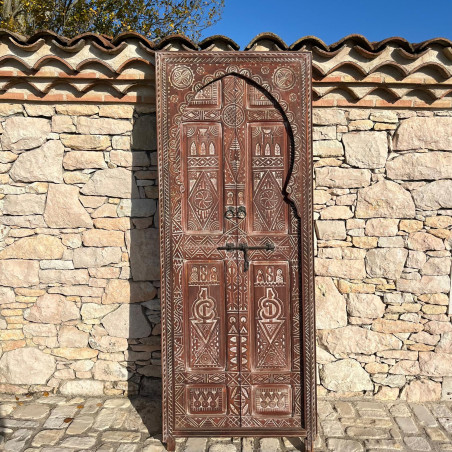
(236, 244)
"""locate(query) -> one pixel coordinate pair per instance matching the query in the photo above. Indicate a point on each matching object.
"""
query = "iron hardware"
(245, 248)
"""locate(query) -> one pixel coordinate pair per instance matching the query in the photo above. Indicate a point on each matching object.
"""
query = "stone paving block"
(407, 424)
(17, 441)
(80, 425)
(79, 442)
(269, 445)
(59, 417)
(121, 437)
(400, 409)
(31, 411)
(222, 448)
(333, 428)
(436, 434)
(441, 410)
(127, 448)
(195, 445)
(344, 445)
(345, 409)
(369, 432)
(383, 444)
(297, 443)
(424, 416)
(417, 443)
(153, 446)
(47, 438)
(446, 422)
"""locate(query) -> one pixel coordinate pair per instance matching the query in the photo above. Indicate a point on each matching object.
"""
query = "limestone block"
(77, 109)
(24, 133)
(124, 291)
(366, 149)
(128, 321)
(71, 277)
(435, 364)
(327, 148)
(26, 365)
(321, 196)
(445, 344)
(116, 111)
(330, 305)
(63, 208)
(102, 126)
(424, 133)
(382, 227)
(19, 273)
(360, 124)
(396, 326)
(77, 388)
(421, 391)
(385, 199)
(434, 196)
(125, 158)
(348, 269)
(10, 109)
(6, 295)
(427, 284)
(363, 305)
(384, 116)
(336, 213)
(42, 164)
(423, 241)
(345, 375)
(113, 224)
(144, 251)
(52, 308)
(108, 344)
(420, 166)
(103, 238)
(96, 257)
(330, 230)
(115, 182)
(324, 133)
(138, 208)
(39, 330)
(95, 311)
(86, 142)
(34, 247)
(437, 266)
(386, 262)
(26, 204)
(416, 259)
(328, 116)
(70, 336)
(354, 339)
(342, 177)
(144, 135)
(83, 159)
(62, 123)
(109, 371)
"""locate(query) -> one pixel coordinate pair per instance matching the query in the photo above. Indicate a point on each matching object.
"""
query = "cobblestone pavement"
(49, 423)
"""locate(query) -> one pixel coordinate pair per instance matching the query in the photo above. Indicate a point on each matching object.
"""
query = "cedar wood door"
(235, 173)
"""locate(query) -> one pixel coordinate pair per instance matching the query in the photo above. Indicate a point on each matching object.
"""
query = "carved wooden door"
(236, 229)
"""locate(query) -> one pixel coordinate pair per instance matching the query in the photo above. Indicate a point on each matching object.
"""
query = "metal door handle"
(245, 248)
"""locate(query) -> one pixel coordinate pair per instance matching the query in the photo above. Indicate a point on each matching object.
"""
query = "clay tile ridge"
(111, 45)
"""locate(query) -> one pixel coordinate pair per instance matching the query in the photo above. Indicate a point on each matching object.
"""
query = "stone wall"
(79, 270)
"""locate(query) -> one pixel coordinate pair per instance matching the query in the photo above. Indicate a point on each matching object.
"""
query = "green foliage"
(154, 19)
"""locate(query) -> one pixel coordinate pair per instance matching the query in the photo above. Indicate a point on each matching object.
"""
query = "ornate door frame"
(286, 78)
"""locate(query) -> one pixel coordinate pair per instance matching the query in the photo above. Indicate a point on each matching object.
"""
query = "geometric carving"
(201, 144)
(272, 400)
(181, 77)
(204, 323)
(256, 98)
(284, 78)
(271, 311)
(206, 399)
(268, 170)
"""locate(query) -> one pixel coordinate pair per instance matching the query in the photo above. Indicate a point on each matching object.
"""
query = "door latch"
(245, 248)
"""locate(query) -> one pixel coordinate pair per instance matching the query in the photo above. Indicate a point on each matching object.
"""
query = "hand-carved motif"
(206, 399)
(284, 78)
(272, 399)
(182, 77)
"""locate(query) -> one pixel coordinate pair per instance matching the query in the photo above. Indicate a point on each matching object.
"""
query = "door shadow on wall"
(142, 241)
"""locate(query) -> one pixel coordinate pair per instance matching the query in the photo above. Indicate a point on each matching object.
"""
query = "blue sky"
(414, 20)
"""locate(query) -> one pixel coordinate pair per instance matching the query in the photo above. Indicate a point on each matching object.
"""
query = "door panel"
(234, 165)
